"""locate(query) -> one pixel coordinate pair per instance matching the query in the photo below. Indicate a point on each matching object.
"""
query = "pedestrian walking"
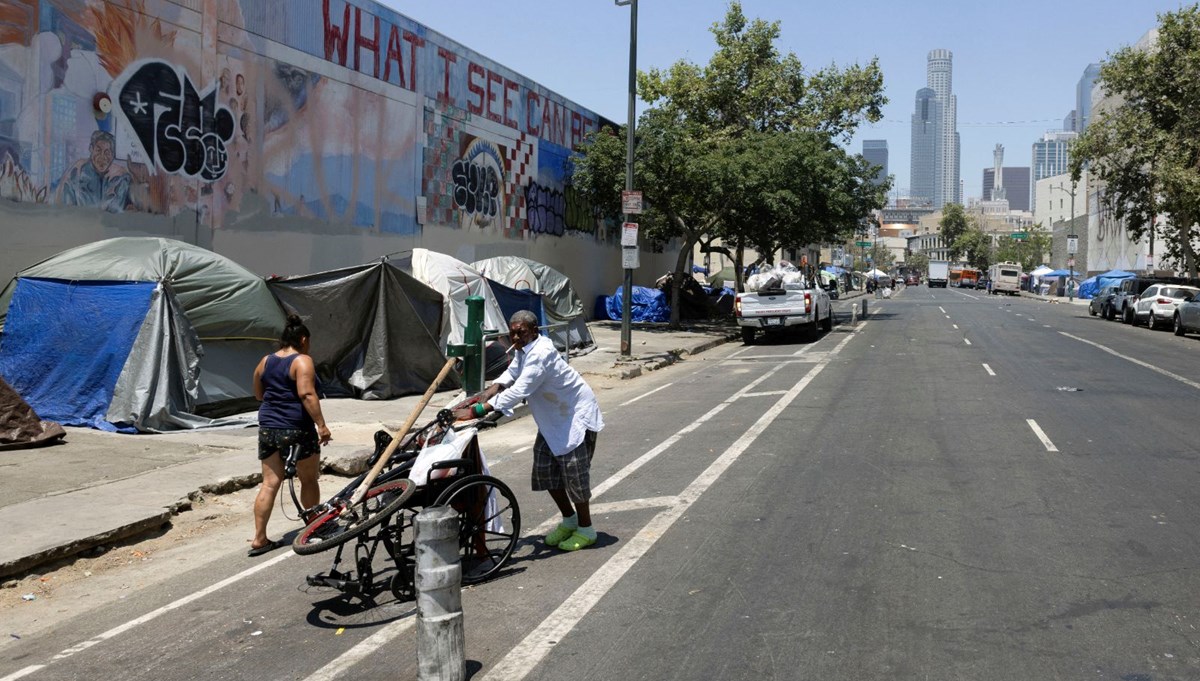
(568, 420)
(285, 381)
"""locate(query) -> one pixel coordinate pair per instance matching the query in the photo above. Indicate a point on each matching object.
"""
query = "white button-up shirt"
(563, 405)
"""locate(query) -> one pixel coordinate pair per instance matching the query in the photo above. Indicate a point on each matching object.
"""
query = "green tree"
(954, 223)
(1145, 150)
(1029, 253)
(741, 148)
(917, 262)
(976, 247)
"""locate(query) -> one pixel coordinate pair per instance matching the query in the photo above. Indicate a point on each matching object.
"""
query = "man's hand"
(492, 390)
(463, 414)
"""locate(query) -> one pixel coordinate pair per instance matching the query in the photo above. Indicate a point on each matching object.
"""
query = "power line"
(982, 124)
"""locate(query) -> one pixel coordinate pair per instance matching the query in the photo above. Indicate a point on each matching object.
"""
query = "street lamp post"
(1070, 229)
(627, 289)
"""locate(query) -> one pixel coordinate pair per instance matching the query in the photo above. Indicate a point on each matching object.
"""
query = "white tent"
(456, 281)
(877, 273)
(560, 304)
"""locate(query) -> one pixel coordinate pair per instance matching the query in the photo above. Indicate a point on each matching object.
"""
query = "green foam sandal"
(575, 542)
(558, 535)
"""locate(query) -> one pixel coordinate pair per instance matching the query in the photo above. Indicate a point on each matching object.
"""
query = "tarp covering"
(230, 308)
(20, 425)
(560, 303)
(123, 358)
(512, 300)
(1089, 290)
(374, 329)
(456, 281)
(647, 305)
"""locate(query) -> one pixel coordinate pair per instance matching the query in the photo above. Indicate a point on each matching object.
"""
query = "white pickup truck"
(772, 310)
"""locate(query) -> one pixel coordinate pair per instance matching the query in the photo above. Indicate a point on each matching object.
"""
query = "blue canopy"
(512, 300)
(648, 305)
(835, 269)
(1061, 273)
(1101, 280)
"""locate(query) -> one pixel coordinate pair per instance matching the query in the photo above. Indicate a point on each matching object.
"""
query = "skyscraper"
(923, 164)
(876, 153)
(1016, 186)
(1050, 157)
(1083, 96)
(939, 73)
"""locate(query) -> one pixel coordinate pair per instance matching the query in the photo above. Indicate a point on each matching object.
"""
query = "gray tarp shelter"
(560, 303)
(209, 321)
(375, 329)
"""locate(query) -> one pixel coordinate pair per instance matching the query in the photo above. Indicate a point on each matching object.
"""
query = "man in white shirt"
(568, 419)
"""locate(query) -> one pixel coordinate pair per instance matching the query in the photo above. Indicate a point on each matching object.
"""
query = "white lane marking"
(954, 325)
(115, 631)
(23, 672)
(1041, 435)
(966, 294)
(526, 448)
(766, 394)
(633, 505)
(947, 316)
(989, 370)
(629, 402)
(539, 643)
(738, 352)
(778, 358)
(369, 645)
(967, 341)
(1138, 362)
(942, 309)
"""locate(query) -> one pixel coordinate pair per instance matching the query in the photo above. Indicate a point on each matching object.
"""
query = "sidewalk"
(98, 488)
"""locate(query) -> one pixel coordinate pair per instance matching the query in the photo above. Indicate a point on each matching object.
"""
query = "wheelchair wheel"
(486, 537)
(340, 524)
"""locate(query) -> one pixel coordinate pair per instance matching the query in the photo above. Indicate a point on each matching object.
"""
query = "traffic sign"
(1020, 236)
(629, 233)
(629, 258)
(864, 244)
(631, 201)
(1070, 262)
(1072, 244)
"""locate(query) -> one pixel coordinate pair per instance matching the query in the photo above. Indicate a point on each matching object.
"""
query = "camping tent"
(456, 281)
(20, 426)
(160, 333)
(561, 305)
(646, 305)
(1101, 280)
(375, 329)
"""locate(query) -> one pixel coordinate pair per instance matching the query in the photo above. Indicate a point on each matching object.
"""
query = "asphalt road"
(960, 487)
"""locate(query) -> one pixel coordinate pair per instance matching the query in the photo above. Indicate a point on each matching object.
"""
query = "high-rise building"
(939, 73)
(876, 153)
(1050, 157)
(1083, 97)
(1069, 122)
(923, 163)
(1016, 186)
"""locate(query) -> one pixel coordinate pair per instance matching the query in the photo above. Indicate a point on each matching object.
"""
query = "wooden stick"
(396, 437)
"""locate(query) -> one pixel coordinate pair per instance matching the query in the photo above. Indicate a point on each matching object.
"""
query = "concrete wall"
(289, 135)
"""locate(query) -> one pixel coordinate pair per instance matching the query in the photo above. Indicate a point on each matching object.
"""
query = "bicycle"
(455, 476)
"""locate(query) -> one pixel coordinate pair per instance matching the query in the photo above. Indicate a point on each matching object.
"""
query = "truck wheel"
(747, 335)
(827, 323)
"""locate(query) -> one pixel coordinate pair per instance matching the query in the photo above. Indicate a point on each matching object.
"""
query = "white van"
(1005, 278)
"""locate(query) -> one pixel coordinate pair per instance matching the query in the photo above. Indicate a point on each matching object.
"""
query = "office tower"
(1050, 157)
(876, 153)
(1016, 186)
(1083, 96)
(923, 163)
(1069, 122)
(997, 174)
(939, 73)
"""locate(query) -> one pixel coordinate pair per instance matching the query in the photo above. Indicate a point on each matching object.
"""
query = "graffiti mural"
(477, 178)
(180, 129)
(97, 180)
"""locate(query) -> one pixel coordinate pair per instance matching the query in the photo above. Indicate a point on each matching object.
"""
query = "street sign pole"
(627, 288)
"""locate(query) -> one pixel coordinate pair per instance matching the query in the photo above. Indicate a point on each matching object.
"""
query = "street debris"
(29, 597)
(1069, 389)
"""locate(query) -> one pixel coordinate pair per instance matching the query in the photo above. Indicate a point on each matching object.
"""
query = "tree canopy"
(743, 148)
(954, 224)
(1145, 150)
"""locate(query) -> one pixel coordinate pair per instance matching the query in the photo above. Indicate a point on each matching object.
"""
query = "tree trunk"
(738, 259)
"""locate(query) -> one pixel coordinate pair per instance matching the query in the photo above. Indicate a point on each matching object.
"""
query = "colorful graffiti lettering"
(184, 131)
(553, 212)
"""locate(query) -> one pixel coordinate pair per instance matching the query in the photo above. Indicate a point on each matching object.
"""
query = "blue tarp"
(834, 269)
(512, 299)
(49, 323)
(1060, 273)
(1087, 288)
(649, 305)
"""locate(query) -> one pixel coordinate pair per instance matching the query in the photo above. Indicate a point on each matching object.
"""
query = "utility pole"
(627, 289)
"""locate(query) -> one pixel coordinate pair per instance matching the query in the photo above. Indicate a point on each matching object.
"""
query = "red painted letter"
(576, 129)
(335, 36)
(394, 54)
(515, 89)
(414, 41)
(532, 121)
(492, 93)
(475, 88)
(448, 58)
(360, 41)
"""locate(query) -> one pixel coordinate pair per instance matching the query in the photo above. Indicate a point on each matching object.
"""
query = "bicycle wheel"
(487, 534)
(340, 524)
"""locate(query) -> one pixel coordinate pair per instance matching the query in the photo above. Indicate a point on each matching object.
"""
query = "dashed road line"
(989, 370)
(1041, 435)
(967, 341)
(629, 402)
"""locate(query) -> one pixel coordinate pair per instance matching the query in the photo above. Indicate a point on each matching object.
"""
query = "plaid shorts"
(271, 440)
(570, 472)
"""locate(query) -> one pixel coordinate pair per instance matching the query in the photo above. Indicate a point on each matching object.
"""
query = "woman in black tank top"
(290, 415)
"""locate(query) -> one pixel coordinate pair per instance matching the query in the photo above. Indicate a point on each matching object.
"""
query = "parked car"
(1100, 303)
(1123, 302)
(1187, 317)
(982, 284)
(1157, 303)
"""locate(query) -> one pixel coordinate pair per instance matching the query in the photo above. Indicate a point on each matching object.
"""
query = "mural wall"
(291, 135)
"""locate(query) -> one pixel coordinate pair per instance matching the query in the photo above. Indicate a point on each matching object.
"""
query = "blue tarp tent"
(512, 299)
(1054, 274)
(649, 305)
(1087, 288)
(1102, 280)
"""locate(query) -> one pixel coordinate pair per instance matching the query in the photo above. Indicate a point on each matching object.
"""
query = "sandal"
(558, 534)
(265, 548)
(575, 542)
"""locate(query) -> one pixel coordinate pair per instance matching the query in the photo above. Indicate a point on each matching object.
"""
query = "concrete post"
(441, 651)
(864, 310)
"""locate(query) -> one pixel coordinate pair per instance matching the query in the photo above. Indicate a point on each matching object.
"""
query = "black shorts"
(271, 440)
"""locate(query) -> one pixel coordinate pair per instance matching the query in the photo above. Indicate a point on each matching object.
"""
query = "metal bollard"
(441, 651)
(864, 310)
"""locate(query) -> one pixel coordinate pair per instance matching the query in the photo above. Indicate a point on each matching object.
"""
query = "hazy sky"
(1016, 63)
